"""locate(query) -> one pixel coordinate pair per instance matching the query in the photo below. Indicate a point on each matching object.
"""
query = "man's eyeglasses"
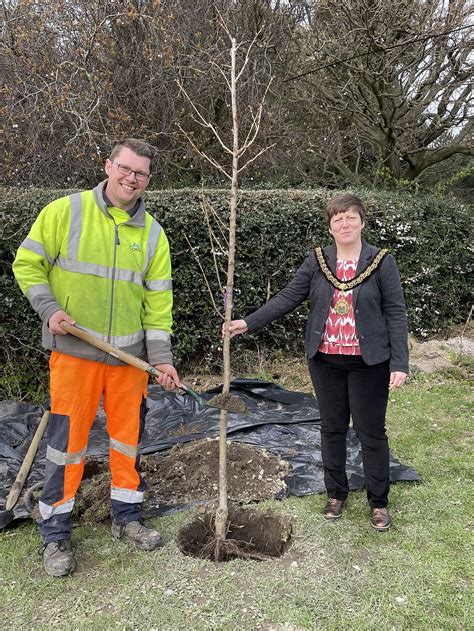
(141, 176)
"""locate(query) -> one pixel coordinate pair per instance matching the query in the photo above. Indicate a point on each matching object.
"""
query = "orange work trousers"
(77, 386)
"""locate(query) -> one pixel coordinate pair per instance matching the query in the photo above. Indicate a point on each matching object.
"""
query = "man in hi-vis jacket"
(99, 260)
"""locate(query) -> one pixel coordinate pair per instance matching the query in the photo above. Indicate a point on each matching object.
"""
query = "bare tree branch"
(204, 275)
(204, 155)
(203, 121)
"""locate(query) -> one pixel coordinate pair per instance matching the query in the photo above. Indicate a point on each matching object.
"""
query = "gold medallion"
(342, 307)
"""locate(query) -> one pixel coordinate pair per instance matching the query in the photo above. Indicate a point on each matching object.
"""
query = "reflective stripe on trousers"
(77, 386)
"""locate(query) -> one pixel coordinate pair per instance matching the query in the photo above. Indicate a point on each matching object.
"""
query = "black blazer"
(379, 307)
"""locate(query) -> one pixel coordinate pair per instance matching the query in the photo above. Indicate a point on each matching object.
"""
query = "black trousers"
(346, 386)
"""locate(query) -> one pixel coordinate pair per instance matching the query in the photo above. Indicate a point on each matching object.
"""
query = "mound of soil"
(189, 472)
(438, 354)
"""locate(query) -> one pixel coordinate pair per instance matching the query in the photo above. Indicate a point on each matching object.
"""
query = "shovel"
(124, 356)
(19, 483)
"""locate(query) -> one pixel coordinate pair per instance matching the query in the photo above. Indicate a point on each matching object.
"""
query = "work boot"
(58, 559)
(380, 519)
(333, 508)
(137, 533)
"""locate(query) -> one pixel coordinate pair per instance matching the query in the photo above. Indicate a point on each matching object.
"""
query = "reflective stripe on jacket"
(110, 272)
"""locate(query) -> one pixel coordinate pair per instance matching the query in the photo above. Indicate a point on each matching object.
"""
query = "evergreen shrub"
(428, 235)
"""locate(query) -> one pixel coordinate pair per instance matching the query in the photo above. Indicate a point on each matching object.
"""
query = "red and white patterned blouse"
(340, 334)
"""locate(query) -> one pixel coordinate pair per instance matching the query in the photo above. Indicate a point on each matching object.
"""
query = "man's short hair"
(137, 146)
(342, 203)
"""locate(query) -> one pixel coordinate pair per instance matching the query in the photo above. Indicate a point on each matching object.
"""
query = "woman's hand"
(397, 379)
(168, 379)
(236, 327)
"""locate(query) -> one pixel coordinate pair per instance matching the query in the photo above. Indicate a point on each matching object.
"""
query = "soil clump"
(229, 402)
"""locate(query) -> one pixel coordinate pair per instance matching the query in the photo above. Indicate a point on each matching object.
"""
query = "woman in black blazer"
(357, 348)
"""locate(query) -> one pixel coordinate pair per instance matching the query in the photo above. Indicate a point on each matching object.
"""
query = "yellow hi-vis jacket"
(110, 272)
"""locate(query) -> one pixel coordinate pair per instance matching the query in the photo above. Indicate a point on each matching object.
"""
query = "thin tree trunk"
(222, 511)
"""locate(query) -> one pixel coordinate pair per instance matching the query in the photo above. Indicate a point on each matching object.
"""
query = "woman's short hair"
(342, 203)
(139, 147)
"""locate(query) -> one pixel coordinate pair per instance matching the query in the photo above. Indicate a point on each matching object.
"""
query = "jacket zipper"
(116, 244)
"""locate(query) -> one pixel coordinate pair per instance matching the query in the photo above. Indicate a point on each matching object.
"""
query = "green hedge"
(276, 228)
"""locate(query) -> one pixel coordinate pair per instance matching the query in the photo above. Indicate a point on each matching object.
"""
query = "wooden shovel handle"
(19, 483)
(122, 355)
(108, 348)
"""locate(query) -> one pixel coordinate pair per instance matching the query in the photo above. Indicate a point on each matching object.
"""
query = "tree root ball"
(251, 534)
(229, 402)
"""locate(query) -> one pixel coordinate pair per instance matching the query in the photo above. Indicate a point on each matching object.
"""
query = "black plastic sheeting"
(283, 422)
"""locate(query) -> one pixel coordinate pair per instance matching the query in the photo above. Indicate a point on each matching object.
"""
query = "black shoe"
(142, 537)
(333, 508)
(380, 519)
(58, 559)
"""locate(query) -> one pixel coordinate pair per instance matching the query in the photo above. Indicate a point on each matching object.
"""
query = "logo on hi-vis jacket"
(135, 247)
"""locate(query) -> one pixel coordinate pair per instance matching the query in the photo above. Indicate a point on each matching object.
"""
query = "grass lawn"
(338, 575)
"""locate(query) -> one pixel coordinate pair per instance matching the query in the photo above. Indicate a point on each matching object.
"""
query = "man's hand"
(236, 327)
(56, 319)
(168, 379)
(397, 379)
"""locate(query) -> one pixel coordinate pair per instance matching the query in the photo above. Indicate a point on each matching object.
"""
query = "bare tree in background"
(81, 73)
(361, 88)
(396, 79)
